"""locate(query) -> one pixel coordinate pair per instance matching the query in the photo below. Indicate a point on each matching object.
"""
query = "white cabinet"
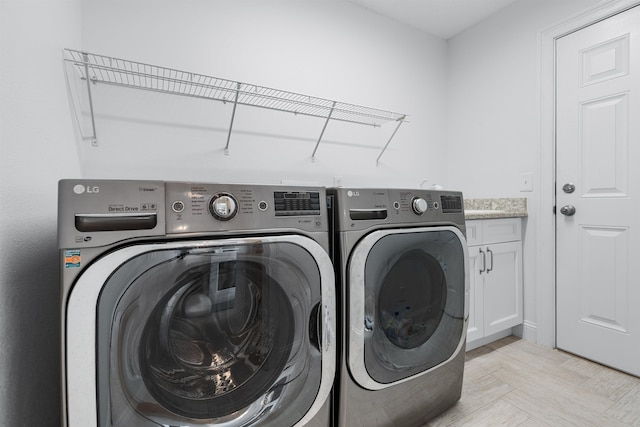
(495, 271)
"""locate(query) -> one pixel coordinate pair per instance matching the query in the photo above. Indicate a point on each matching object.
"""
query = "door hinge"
(554, 210)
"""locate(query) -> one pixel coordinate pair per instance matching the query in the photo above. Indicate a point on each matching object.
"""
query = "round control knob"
(223, 206)
(419, 205)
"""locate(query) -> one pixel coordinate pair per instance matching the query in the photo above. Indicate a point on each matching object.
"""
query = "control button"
(419, 205)
(223, 206)
(436, 205)
(396, 205)
(262, 205)
(177, 206)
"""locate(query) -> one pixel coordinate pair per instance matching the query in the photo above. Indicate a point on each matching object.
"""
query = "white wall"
(494, 121)
(328, 49)
(36, 149)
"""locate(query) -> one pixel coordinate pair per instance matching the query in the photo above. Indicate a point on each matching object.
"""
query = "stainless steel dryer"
(188, 304)
(402, 263)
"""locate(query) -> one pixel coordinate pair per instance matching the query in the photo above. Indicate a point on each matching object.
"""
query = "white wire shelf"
(100, 69)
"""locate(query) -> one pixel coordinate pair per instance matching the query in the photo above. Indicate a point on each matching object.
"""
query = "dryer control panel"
(363, 207)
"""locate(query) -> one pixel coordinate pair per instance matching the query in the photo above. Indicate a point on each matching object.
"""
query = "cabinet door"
(477, 262)
(501, 230)
(503, 287)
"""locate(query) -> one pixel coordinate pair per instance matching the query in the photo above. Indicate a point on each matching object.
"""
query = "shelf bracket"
(93, 138)
(233, 115)
(313, 155)
(400, 121)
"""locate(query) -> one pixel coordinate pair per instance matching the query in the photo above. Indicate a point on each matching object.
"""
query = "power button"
(177, 206)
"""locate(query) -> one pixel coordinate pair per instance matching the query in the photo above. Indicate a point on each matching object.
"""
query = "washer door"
(408, 303)
(230, 332)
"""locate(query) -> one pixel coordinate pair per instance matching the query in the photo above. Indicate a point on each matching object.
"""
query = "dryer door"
(228, 332)
(408, 303)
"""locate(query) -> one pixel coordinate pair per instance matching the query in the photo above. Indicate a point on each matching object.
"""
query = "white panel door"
(598, 152)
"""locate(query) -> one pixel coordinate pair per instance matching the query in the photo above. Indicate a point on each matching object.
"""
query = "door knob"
(568, 210)
(569, 188)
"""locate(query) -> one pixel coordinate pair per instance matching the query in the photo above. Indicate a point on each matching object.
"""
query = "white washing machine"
(402, 263)
(190, 304)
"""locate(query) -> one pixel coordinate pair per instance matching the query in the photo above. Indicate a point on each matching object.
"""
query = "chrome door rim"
(80, 323)
(356, 293)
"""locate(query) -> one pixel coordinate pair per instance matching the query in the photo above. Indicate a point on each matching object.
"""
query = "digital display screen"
(451, 204)
(294, 203)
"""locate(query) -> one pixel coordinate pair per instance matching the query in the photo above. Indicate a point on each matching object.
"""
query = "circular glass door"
(411, 299)
(407, 296)
(211, 335)
(223, 327)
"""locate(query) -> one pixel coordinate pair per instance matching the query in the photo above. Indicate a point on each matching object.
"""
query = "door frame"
(546, 230)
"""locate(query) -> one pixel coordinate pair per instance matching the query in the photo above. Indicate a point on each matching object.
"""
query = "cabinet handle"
(484, 261)
(490, 252)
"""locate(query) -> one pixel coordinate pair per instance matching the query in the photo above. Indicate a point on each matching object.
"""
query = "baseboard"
(491, 338)
(527, 331)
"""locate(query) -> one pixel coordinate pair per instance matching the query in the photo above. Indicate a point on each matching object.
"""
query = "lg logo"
(79, 189)
(353, 193)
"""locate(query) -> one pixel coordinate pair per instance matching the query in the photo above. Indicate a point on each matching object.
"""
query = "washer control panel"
(195, 207)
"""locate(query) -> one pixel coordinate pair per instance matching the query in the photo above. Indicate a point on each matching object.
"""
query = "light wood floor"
(513, 382)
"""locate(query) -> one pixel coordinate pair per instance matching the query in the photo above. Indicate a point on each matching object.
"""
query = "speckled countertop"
(495, 208)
